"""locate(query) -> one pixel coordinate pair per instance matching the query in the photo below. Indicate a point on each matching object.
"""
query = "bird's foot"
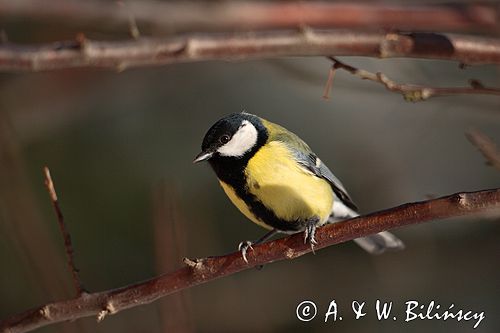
(310, 232)
(245, 245)
(243, 248)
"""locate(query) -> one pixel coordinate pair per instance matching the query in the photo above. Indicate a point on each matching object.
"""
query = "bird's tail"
(374, 244)
(379, 243)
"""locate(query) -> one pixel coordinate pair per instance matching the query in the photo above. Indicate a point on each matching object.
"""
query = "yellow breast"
(241, 205)
(284, 187)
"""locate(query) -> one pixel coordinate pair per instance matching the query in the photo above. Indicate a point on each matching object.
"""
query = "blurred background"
(120, 148)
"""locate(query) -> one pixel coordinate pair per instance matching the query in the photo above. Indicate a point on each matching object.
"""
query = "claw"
(243, 248)
(309, 233)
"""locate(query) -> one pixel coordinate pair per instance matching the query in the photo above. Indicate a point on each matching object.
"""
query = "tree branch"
(64, 231)
(120, 55)
(410, 92)
(189, 16)
(486, 146)
(204, 270)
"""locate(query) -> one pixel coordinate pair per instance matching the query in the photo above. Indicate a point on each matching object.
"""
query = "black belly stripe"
(237, 180)
(266, 215)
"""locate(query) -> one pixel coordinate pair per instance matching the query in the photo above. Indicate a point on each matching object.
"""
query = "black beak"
(203, 156)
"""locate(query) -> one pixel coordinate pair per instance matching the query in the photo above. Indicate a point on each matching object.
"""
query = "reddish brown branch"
(64, 231)
(182, 16)
(410, 92)
(486, 146)
(120, 55)
(204, 270)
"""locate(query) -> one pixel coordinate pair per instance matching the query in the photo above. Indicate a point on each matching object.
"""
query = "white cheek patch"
(241, 142)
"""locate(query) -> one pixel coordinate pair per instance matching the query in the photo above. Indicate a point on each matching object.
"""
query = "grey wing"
(312, 163)
(306, 158)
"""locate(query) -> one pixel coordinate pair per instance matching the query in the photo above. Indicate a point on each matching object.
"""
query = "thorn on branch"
(64, 231)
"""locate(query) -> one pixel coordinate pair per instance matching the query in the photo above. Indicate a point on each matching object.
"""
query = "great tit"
(277, 181)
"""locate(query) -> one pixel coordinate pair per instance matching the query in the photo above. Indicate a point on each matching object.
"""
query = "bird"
(274, 178)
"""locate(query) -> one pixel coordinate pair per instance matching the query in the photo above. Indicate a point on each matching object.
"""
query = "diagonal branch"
(120, 55)
(410, 92)
(189, 16)
(201, 271)
(486, 146)
(64, 231)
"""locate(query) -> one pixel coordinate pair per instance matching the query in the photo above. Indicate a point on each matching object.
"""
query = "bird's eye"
(224, 139)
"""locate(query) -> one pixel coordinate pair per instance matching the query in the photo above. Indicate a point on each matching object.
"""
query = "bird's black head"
(235, 137)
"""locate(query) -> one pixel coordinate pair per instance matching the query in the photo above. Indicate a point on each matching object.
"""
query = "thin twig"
(133, 28)
(412, 92)
(101, 304)
(190, 16)
(120, 55)
(64, 231)
(37, 258)
(486, 146)
(329, 83)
